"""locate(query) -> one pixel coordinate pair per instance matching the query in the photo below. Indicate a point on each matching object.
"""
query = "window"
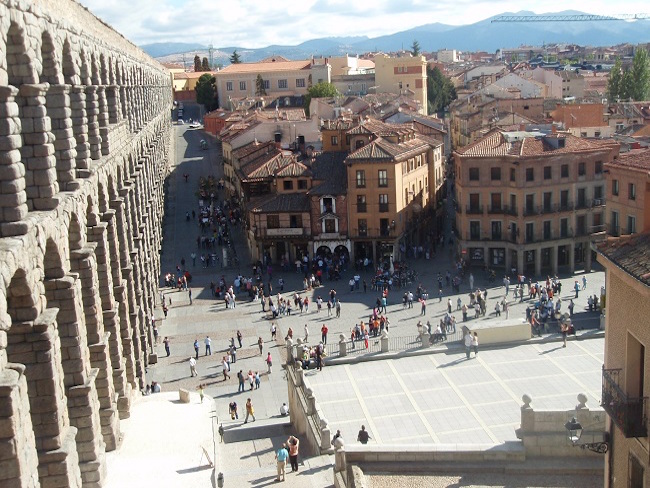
(384, 228)
(614, 230)
(383, 203)
(631, 191)
(267, 84)
(564, 199)
(287, 184)
(581, 225)
(614, 187)
(631, 224)
(598, 167)
(327, 205)
(547, 229)
(564, 171)
(530, 204)
(495, 174)
(474, 199)
(598, 192)
(530, 232)
(513, 174)
(302, 184)
(473, 174)
(496, 230)
(564, 227)
(363, 227)
(272, 221)
(295, 221)
(330, 225)
(582, 169)
(335, 140)
(242, 85)
(361, 204)
(582, 198)
(475, 230)
(282, 84)
(228, 85)
(636, 471)
(300, 83)
(383, 177)
(548, 201)
(495, 201)
(547, 173)
(359, 143)
(361, 178)
(530, 174)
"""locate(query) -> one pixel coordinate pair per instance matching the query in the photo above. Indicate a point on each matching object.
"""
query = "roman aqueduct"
(84, 147)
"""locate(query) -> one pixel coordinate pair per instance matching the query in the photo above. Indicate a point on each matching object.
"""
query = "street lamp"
(574, 430)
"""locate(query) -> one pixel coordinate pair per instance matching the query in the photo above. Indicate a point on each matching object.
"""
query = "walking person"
(338, 308)
(570, 307)
(468, 343)
(240, 377)
(201, 392)
(475, 344)
(363, 435)
(269, 362)
(293, 444)
(250, 411)
(323, 333)
(306, 334)
(166, 343)
(232, 409)
(281, 457)
(208, 346)
(196, 348)
(226, 368)
(239, 338)
(260, 344)
(193, 367)
(189, 294)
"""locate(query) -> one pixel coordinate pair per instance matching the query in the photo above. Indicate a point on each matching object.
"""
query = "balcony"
(474, 209)
(628, 413)
(284, 232)
(326, 209)
(362, 207)
(598, 202)
(530, 210)
(565, 207)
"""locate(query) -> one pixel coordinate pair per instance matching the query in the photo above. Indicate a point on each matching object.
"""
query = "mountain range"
(480, 36)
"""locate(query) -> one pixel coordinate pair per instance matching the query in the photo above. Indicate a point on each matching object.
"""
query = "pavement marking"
(465, 401)
(587, 352)
(496, 377)
(364, 407)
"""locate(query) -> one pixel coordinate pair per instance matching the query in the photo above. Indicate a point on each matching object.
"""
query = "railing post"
(343, 346)
(384, 341)
(424, 339)
(325, 435)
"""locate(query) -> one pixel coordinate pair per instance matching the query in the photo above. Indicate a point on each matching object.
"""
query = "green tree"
(319, 90)
(415, 48)
(640, 73)
(197, 63)
(440, 91)
(260, 91)
(205, 65)
(206, 92)
(615, 81)
(235, 58)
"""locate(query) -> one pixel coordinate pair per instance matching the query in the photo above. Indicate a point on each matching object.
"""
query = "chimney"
(522, 127)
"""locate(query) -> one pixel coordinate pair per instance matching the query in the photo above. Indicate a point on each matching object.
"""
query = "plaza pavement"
(432, 398)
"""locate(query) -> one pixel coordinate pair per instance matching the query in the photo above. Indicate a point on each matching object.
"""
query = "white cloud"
(252, 23)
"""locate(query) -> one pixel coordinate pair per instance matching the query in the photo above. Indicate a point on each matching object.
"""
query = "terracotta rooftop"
(265, 67)
(253, 147)
(382, 150)
(293, 169)
(281, 202)
(631, 254)
(330, 174)
(380, 129)
(522, 144)
(635, 159)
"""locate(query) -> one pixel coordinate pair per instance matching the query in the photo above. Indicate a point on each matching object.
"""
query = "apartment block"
(404, 75)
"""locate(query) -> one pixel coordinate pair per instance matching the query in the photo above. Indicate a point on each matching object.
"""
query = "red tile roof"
(265, 67)
(629, 253)
(635, 159)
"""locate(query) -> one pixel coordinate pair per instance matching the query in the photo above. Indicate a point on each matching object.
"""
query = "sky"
(260, 23)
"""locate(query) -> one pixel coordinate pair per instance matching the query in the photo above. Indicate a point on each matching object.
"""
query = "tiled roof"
(635, 159)
(252, 147)
(281, 202)
(329, 174)
(496, 144)
(293, 169)
(381, 129)
(279, 65)
(339, 124)
(382, 150)
(263, 166)
(631, 254)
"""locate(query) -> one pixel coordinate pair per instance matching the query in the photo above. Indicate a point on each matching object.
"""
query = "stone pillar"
(572, 257)
(102, 119)
(58, 107)
(424, 340)
(17, 444)
(92, 112)
(587, 257)
(538, 261)
(384, 341)
(36, 344)
(13, 198)
(343, 346)
(520, 260)
(554, 258)
(80, 129)
(124, 104)
(113, 104)
(38, 148)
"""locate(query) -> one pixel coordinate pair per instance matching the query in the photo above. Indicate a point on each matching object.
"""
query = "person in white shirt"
(284, 410)
(193, 367)
(468, 343)
(208, 346)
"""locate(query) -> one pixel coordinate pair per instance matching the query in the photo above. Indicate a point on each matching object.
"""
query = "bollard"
(220, 480)
(343, 346)
(384, 341)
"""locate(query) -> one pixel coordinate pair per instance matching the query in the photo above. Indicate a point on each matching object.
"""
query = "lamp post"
(574, 432)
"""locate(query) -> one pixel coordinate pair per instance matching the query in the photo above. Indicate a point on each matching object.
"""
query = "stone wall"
(84, 148)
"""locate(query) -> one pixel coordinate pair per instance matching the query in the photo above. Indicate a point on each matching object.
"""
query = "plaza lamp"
(574, 432)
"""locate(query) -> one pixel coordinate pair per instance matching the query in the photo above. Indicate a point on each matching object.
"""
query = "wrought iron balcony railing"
(628, 413)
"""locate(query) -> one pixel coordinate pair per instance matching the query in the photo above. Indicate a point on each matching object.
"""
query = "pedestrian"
(164, 307)
(471, 282)
(323, 333)
(338, 308)
(365, 286)
(250, 411)
(239, 338)
(475, 344)
(423, 306)
(306, 334)
(584, 282)
(208, 346)
(193, 367)
(232, 409)
(260, 344)
(281, 457)
(251, 379)
(221, 432)
(449, 305)
(269, 362)
(240, 377)
(570, 307)
(576, 287)
(233, 353)
(363, 435)
(274, 330)
(166, 343)
(196, 348)
(293, 444)
(193, 256)
(257, 380)
(201, 392)
(497, 309)
(319, 356)
(468, 343)
(155, 333)
(226, 368)
(189, 294)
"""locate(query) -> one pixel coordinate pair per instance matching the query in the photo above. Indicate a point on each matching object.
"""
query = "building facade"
(628, 193)
(626, 375)
(404, 75)
(85, 144)
(531, 202)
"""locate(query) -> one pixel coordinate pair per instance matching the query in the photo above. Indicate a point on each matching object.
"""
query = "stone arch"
(102, 197)
(91, 212)
(84, 67)
(75, 236)
(111, 71)
(94, 70)
(52, 261)
(69, 66)
(20, 69)
(50, 71)
(22, 298)
(103, 70)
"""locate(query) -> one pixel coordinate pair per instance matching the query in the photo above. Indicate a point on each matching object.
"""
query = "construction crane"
(569, 18)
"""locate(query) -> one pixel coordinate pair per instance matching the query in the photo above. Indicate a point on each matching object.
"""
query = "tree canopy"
(205, 65)
(632, 83)
(197, 63)
(206, 92)
(415, 48)
(235, 58)
(440, 91)
(260, 91)
(319, 90)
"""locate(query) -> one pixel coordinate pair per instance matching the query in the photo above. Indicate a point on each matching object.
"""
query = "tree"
(205, 65)
(415, 48)
(632, 83)
(440, 91)
(319, 90)
(260, 91)
(197, 63)
(206, 92)
(235, 58)
(615, 81)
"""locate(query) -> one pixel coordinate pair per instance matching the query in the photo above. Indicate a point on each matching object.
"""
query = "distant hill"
(480, 36)
(160, 49)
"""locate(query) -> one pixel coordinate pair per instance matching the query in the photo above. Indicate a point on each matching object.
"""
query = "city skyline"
(249, 24)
